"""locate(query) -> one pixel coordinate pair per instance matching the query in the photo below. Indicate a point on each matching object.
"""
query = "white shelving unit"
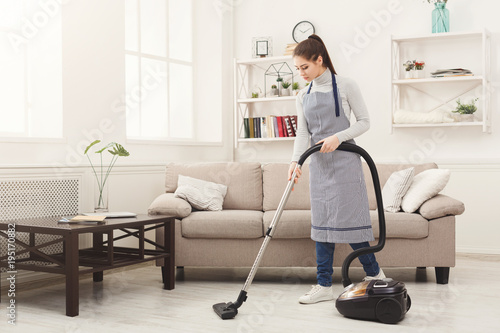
(470, 50)
(246, 74)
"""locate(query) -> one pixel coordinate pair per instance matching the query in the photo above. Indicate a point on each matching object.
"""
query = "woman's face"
(309, 70)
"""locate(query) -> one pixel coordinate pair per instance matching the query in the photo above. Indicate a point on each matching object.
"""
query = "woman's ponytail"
(313, 47)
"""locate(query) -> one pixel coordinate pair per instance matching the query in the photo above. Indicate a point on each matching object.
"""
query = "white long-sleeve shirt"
(352, 99)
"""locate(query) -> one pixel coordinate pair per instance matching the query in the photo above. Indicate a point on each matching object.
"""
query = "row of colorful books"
(270, 126)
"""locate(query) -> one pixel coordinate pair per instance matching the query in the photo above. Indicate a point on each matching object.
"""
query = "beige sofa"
(232, 237)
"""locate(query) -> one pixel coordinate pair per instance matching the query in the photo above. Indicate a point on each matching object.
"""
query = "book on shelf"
(275, 128)
(251, 127)
(452, 72)
(263, 127)
(246, 127)
(288, 125)
(294, 124)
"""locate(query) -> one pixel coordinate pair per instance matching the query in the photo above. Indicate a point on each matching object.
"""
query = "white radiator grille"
(33, 198)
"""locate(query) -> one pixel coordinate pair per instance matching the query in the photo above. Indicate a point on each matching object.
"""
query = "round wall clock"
(302, 30)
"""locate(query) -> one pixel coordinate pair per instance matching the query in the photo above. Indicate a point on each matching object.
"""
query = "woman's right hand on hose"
(297, 174)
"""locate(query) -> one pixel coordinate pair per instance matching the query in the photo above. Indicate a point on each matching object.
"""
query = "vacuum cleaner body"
(385, 300)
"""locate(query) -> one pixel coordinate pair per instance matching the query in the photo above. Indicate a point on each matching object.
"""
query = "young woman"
(339, 202)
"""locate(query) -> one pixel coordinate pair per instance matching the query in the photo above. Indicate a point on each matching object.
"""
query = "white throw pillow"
(201, 194)
(395, 188)
(425, 185)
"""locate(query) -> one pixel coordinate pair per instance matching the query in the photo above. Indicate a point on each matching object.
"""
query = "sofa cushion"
(292, 224)
(401, 225)
(425, 185)
(395, 188)
(201, 194)
(167, 204)
(441, 205)
(297, 224)
(223, 224)
(274, 183)
(243, 181)
(384, 172)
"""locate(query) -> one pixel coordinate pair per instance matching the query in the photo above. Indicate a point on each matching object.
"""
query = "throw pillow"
(168, 204)
(201, 194)
(395, 188)
(425, 185)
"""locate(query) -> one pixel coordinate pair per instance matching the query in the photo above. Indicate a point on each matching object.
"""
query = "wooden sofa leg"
(442, 275)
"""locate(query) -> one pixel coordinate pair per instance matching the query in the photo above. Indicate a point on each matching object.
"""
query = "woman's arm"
(302, 135)
(358, 107)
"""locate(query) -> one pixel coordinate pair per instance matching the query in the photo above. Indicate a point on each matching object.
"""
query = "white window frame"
(167, 60)
(25, 136)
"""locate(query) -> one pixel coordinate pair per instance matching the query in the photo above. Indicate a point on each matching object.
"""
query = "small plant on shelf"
(419, 65)
(274, 90)
(255, 95)
(466, 108)
(285, 85)
(409, 65)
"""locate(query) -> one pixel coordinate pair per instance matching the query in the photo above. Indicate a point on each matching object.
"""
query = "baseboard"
(477, 250)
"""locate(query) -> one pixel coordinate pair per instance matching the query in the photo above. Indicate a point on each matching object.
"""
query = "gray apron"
(339, 202)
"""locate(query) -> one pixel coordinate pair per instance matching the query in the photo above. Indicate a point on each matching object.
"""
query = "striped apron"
(339, 202)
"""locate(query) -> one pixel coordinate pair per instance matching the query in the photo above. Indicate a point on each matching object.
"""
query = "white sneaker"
(317, 294)
(379, 276)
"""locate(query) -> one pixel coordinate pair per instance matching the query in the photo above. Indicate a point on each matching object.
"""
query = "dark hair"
(311, 48)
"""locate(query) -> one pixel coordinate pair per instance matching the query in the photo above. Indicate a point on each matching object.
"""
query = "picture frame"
(262, 47)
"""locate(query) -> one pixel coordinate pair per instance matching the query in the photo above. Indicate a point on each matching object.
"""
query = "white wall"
(473, 156)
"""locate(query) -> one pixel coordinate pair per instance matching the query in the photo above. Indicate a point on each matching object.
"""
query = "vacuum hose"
(344, 146)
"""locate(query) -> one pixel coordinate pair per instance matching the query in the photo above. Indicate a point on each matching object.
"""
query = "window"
(159, 69)
(30, 67)
(173, 93)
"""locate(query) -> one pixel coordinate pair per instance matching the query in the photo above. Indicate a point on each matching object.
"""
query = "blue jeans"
(324, 261)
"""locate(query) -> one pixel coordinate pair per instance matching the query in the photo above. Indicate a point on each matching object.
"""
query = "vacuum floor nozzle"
(225, 311)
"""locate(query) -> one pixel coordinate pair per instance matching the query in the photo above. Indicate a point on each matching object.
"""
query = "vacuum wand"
(230, 310)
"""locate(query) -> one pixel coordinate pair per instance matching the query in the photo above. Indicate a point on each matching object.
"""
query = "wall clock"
(302, 30)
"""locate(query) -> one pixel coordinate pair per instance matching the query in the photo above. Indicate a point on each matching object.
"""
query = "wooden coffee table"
(103, 255)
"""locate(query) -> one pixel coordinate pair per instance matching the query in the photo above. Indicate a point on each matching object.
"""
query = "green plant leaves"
(119, 150)
(93, 143)
(116, 149)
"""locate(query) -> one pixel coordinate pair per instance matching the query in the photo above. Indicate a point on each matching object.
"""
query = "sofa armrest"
(441, 205)
(168, 204)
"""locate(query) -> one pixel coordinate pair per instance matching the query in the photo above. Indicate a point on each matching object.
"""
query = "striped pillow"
(395, 188)
(201, 194)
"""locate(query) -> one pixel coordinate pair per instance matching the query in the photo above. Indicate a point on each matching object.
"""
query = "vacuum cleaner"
(385, 300)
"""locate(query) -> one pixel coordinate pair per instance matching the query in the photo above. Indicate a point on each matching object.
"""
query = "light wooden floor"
(133, 301)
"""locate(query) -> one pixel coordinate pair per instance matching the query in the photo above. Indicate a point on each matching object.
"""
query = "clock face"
(302, 30)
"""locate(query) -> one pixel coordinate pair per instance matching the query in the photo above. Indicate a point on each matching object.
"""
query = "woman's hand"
(297, 174)
(329, 144)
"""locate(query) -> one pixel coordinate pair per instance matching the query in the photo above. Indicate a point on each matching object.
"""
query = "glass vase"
(440, 18)
(101, 199)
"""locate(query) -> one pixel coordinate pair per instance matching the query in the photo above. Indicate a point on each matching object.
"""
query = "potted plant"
(295, 88)
(409, 65)
(466, 111)
(274, 90)
(279, 80)
(101, 175)
(419, 67)
(285, 90)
